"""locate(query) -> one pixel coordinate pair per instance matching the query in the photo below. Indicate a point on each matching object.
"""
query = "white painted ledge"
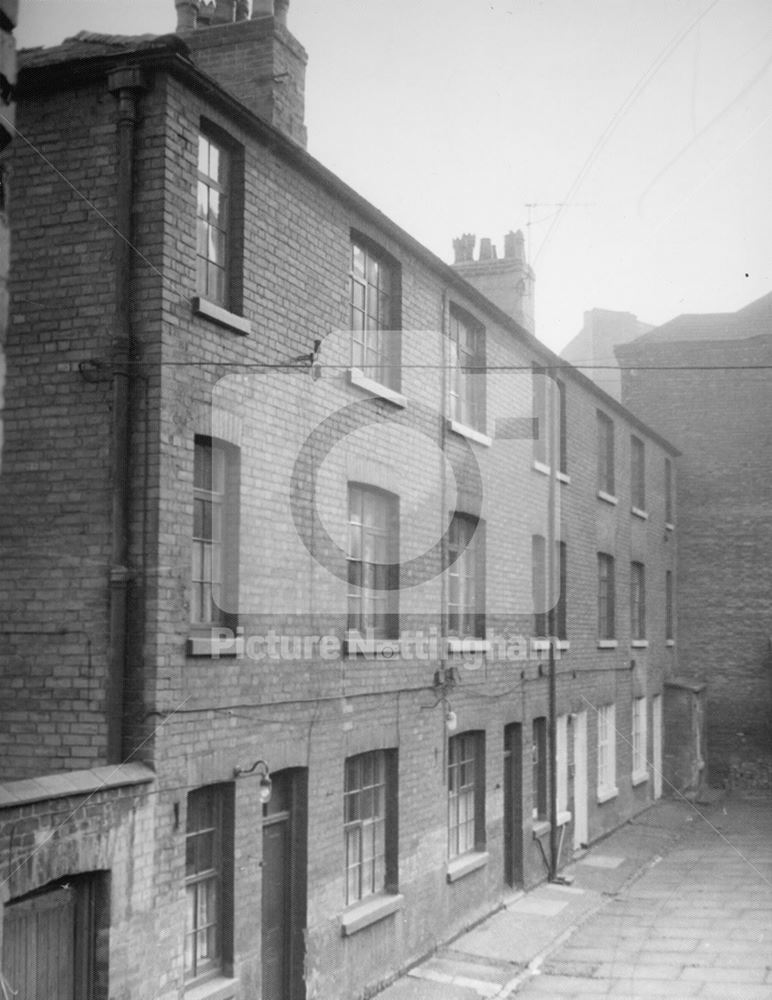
(369, 911)
(357, 377)
(470, 433)
(466, 864)
(607, 497)
(203, 307)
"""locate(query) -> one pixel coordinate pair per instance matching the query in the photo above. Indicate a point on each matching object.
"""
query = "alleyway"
(676, 904)
(697, 924)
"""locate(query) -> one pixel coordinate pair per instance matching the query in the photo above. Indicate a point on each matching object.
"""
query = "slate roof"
(93, 45)
(753, 320)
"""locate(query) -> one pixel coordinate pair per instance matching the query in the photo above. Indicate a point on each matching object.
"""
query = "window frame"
(223, 305)
(467, 403)
(219, 876)
(465, 572)
(637, 473)
(382, 340)
(606, 454)
(668, 474)
(637, 601)
(540, 802)
(639, 740)
(382, 868)
(222, 497)
(606, 752)
(363, 617)
(540, 590)
(466, 750)
(606, 597)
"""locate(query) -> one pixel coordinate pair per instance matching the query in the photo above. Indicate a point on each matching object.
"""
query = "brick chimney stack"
(507, 281)
(256, 58)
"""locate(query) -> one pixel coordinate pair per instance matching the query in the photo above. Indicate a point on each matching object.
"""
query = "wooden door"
(284, 887)
(513, 804)
(581, 831)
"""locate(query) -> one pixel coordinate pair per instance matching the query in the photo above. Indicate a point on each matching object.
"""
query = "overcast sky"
(651, 118)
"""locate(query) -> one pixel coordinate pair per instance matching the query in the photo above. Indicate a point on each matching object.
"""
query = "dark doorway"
(284, 886)
(513, 804)
(49, 942)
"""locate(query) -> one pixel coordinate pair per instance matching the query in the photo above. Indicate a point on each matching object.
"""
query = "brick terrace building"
(246, 529)
(704, 380)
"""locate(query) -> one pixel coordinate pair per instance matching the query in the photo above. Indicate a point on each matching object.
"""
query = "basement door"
(48, 944)
(513, 804)
(284, 886)
(581, 831)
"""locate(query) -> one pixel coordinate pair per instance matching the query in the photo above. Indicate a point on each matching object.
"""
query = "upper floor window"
(637, 601)
(374, 293)
(215, 492)
(208, 879)
(669, 633)
(369, 824)
(606, 482)
(466, 793)
(637, 473)
(550, 419)
(214, 221)
(373, 568)
(668, 491)
(467, 374)
(606, 599)
(466, 577)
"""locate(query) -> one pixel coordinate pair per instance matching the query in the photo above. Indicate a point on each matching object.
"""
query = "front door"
(581, 832)
(284, 887)
(513, 804)
(656, 741)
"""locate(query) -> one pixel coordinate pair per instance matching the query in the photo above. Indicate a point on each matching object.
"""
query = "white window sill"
(218, 988)
(640, 643)
(369, 911)
(543, 645)
(215, 646)
(466, 864)
(637, 512)
(669, 526)
(542, 826)
(470, 433)
(546, 470)
(607, 497)
(456, 645)
(203, 307)
(639, 777)
(388, 649)
(670, 643)
(608, 643)
(606, 795)
(357, 377)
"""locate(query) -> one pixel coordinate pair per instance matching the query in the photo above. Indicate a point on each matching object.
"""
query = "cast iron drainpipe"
(125, 84)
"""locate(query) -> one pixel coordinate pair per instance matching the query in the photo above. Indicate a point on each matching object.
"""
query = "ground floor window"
(466, 793)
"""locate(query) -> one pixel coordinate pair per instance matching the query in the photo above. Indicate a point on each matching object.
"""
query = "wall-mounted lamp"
(451, 720)
(265, 777)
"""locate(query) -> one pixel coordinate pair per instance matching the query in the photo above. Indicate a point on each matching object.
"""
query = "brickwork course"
(116, 364)
(705, 382)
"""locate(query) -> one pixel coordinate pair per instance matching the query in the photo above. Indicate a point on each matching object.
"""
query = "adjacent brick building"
(705, 382)
(254, 542)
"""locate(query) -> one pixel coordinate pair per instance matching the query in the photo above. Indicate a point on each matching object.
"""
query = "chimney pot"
(514, 245)
(262, 8)
(224, 12)
(280, 11)
(242, 10)
(487, 249)
(205, 13)
(187, 13)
